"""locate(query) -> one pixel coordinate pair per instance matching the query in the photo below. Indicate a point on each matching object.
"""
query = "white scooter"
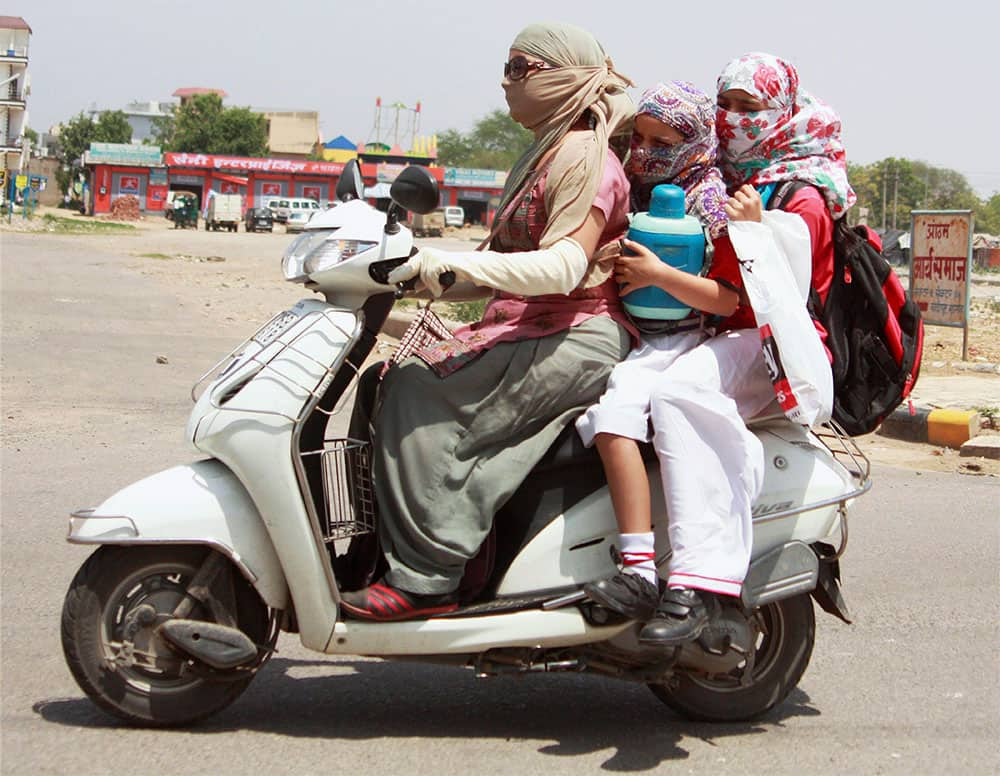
(202, 565)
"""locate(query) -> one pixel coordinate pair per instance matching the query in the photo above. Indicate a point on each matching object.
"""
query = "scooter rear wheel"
(784, 644)
(125, 668)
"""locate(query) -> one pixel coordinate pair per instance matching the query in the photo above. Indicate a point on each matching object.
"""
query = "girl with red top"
(770, 131)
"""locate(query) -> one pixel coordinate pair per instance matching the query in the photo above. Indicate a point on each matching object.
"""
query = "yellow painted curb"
(951, 428)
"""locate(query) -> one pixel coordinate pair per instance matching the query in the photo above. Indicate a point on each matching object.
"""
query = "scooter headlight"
(333, 252)
(317, 250)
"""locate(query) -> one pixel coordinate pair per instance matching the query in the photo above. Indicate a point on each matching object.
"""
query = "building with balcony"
(14, 85)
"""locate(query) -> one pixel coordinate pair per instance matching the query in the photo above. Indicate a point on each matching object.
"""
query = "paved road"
(911, 687)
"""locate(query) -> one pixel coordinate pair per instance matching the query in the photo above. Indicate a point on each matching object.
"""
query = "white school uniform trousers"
(696, 393)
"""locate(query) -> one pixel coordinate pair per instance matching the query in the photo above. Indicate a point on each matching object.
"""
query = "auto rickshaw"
(185, 212)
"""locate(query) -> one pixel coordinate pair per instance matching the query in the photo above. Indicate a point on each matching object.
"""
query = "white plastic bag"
(776, 265)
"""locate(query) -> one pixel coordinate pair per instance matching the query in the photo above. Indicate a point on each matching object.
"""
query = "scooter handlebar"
(446, 279)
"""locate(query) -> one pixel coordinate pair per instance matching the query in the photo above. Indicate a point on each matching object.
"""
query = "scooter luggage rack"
(263, 337)
(348, 499)
(845, 451)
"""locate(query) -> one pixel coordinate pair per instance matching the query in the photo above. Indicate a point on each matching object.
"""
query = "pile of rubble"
(125, 209)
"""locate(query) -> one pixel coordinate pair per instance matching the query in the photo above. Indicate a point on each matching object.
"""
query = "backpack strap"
(784, 192)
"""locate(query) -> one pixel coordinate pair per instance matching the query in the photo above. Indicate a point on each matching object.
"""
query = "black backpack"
(875, 332)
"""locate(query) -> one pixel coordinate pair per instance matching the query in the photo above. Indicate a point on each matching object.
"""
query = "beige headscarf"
(583, 77)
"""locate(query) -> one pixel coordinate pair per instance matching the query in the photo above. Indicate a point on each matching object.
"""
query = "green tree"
(112, 127)
(495, 142)
(453, 148)
(162, 129)
(203, 125)
(31, 136)
(987, 218)
(892, 188)
(76, 135)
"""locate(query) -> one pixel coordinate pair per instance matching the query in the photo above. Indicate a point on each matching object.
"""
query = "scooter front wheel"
(785, 634)
(113, 606)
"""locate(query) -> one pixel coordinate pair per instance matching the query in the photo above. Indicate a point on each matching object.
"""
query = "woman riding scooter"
(461, 425)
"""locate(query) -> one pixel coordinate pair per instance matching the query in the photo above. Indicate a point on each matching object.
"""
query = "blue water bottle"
(677, 239)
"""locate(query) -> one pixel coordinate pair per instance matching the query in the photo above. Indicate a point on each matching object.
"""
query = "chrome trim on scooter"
(138, 538)
(564, 600)
(270, 331)
(836, 442)
(300, 474)
(814, 505)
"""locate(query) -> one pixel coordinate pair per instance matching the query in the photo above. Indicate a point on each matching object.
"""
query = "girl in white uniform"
(674, 141)
(712, 467)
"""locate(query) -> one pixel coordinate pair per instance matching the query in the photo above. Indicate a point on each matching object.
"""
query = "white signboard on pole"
(941, 266)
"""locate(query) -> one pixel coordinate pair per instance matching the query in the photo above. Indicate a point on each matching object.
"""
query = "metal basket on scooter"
(347, 488)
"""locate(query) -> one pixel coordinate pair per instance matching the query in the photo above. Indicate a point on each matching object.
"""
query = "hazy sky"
(909, 79)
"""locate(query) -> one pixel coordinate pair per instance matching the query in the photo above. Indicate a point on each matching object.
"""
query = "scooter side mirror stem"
(392, 219)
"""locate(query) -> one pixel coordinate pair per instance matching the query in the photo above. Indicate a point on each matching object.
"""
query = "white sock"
(638, 555)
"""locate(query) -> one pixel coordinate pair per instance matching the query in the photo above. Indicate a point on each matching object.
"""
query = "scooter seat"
(568, 451)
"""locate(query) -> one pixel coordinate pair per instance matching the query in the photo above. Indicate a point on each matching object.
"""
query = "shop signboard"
(311, 192)
(21, 182)
(270, 189)
(3, 180)
(387, 173)
(470, 176)
(37, 182)
(228, 187)
(157, 177)
(248, 164)
(128, 184)
(190, 180)
(941, 247)
(124, 153)
(475, 196)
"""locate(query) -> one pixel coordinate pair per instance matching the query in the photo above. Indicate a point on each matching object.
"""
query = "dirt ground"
(233, 283)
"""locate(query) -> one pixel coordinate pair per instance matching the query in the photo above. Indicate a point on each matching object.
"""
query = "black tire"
(782, 655)
(114, 581)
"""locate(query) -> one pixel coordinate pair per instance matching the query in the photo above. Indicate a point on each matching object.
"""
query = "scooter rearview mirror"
(350, 186)
(416, 190)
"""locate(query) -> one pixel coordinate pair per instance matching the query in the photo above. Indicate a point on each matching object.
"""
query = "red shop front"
(253, 178)
(256, 178)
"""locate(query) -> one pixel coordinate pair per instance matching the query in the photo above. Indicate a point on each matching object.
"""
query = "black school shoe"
(681, 616)
(387, 604)
(628, 594)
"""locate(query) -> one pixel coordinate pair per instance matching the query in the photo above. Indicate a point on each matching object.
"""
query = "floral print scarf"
(690, 164)
(797, 137)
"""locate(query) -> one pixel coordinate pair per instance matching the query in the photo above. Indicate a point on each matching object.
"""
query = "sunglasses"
(518, 68)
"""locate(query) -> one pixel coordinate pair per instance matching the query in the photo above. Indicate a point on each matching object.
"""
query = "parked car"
(258, 219)
(453, 216)
(279, 209)
(288, 206)
(297, 219)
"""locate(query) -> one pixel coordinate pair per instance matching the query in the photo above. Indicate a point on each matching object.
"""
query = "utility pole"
(885, 184)
(895, 198)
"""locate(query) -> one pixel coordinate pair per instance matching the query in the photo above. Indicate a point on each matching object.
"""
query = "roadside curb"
(942, 427)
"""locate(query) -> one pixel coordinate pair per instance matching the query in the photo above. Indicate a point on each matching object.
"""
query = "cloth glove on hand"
(555, 270)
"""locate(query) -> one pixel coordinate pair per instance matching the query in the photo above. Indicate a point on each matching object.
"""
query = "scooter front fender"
(202, 503)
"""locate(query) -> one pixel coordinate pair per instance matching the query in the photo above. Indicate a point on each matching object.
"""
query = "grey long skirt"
(450, 451)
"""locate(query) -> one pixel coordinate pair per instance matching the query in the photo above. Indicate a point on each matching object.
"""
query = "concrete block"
(910, 426)
(982, 446)
(947, 428)
(952, 428)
